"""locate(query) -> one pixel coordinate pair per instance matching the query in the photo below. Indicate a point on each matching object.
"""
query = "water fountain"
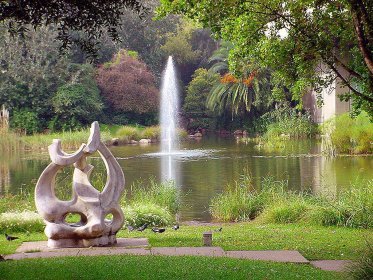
(170, 154)
(169, 110)
(169, 122)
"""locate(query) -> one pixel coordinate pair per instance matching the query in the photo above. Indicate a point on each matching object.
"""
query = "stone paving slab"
(188, 251)
(332, 265)
(100, 251)
(276, 256)
(41, 246)
(138, 246)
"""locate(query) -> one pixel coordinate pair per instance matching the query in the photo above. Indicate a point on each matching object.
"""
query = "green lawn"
(157, 267)
(313, 242)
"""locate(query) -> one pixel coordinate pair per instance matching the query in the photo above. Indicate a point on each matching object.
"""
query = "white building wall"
(331, 103)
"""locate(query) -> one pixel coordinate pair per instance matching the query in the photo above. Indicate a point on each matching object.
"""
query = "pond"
(207, 166)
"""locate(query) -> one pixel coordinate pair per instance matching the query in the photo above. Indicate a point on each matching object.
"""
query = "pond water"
(205, 167)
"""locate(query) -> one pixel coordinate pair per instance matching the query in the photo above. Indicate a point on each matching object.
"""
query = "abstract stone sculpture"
(92, 206)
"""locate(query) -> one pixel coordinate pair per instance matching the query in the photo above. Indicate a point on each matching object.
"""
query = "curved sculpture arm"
(59, 157)
(81, 184)
(48, 205)
(114, 186)
(94, 139)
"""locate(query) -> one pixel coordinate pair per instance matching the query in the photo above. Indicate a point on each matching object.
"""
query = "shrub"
(25, 120)
(75, 105)
(127, 84)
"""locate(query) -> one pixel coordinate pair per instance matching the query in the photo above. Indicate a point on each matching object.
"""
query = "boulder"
(115, 141)
(133, 142)
(144, 141)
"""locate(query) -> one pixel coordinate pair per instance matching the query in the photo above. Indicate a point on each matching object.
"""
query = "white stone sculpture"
(92, 206)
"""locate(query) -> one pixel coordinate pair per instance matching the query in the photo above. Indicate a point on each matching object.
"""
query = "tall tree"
(236, 91)
(294, 39)
(30, 71)
(90, 17)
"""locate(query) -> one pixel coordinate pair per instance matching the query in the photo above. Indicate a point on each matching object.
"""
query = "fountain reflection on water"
(169, 110)
(171, 155)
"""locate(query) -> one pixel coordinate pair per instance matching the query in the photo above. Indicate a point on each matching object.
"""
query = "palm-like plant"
(231, 91)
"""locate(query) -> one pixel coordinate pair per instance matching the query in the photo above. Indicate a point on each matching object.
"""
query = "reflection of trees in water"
(4, 178)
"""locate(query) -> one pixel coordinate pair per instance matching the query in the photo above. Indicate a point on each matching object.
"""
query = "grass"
(9, 247)
(295, 127)
(274, 204)
(362, 269)
(16, 203)
(128, 133)
(69, 139)
(25, 221)
(313, 242)
(152, 132)
(237, 203)
(157, 267)
(9, 141)
(153, 203)
(163, 194)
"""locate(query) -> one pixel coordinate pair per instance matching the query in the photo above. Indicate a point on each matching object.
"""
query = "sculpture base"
(81, 243)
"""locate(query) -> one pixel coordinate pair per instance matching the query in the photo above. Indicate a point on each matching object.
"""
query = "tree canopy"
(294, 39)
(90, 17)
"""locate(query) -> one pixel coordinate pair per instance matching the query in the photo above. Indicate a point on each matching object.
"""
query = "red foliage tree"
(127, 84)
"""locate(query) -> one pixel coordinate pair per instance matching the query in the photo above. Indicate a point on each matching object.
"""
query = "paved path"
(140, 246)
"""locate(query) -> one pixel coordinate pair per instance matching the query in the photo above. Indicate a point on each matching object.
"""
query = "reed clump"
(151, 202)
(273, 203)
(349, 135)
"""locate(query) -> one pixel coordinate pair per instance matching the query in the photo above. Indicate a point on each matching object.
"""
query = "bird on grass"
(143, 227)
(130, 228)
(158, 230)
(176, 227)
(10, 238)
(219, 229)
